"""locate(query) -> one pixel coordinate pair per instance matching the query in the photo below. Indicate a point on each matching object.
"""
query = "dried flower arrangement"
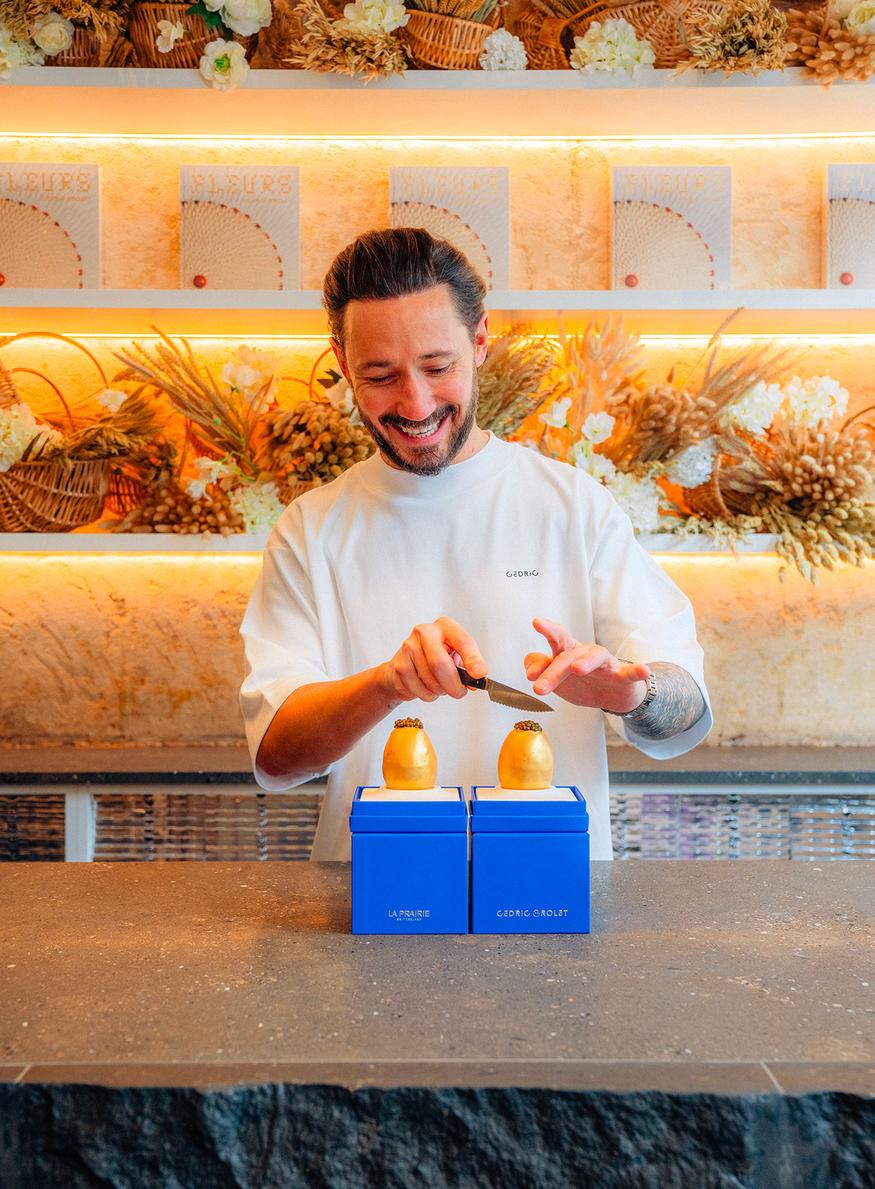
(725, 450)
(746, 37)
(518, 373)
(836, 41)
(224, 487)
(352, 45)
(69, 32)
(56, 469)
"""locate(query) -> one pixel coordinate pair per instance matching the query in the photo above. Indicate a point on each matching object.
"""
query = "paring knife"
(505, 695)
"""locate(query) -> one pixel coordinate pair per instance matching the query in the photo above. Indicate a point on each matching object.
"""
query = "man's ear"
(338, 354)
(481, 340)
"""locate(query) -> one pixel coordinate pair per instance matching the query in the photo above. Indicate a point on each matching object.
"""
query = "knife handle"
(471, 682)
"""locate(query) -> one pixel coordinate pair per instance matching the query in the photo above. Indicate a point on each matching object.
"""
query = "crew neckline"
(381, 478)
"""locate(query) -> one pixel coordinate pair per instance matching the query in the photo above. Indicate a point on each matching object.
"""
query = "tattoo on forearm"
(677, 706)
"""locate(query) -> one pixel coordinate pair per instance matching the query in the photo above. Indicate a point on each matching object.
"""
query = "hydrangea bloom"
(639, 499)
(756, 410)
(503, 51)
(815, 401)
(258, 504)
(861, 18)
(375, 16)
(15, 53)
(18, 428)
(694, 465)
(612, 45)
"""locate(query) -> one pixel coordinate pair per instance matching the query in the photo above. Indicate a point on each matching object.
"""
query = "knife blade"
(505, 695)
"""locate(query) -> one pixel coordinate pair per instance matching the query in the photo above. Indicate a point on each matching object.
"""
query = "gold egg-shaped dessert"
(526, 758)
(409, 760)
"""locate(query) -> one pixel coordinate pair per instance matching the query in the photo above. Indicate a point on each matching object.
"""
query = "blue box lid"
(408, 817)
(535, 816)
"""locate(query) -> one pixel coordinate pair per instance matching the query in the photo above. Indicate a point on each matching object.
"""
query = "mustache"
(403, 422)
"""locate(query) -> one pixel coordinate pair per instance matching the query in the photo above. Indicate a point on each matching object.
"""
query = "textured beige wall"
(144, 650)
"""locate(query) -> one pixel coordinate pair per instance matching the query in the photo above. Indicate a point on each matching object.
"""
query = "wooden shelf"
(249, 313)
(254, 543)
(542, 104)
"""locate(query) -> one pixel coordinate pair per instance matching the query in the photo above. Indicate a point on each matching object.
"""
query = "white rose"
(223, 64)
(840, 8)
(246, 16)
(52, 33)
(861, 18)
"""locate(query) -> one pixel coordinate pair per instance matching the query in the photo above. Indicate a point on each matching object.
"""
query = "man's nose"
(415, 399)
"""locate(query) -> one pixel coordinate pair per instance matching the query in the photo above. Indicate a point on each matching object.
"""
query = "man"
(450, 545)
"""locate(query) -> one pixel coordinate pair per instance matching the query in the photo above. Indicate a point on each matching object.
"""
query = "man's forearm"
(678, 704)
(319, 723)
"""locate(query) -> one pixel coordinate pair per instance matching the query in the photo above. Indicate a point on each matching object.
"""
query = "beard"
(425, 460)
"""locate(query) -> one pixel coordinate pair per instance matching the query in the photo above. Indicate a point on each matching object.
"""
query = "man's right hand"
(424, 667)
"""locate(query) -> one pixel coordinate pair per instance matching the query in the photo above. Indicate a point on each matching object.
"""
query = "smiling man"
(449, 545)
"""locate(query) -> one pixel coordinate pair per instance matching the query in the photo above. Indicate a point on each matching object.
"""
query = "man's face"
(413, 371)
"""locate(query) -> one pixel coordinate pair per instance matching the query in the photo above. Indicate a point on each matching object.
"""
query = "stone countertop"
(731, 977)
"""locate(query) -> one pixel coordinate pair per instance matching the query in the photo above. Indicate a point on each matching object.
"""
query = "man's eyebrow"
(388, 363)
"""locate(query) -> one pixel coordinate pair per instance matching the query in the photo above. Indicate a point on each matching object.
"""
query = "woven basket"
(124, 492)
(661, 23)
(549, 40)
(186, 54)
(439, 42)
(86, 49)
(52, 497)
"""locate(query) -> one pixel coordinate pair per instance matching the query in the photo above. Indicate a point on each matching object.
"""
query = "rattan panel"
(32, 827)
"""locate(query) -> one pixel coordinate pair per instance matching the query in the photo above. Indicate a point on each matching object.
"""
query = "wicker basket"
(186, 54)
(125, 491)
(439, 42)
(86, 49)
(52, 497)
(661, 23)
(549, 40)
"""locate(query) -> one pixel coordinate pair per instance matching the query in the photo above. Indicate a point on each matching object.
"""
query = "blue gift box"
(529, 862)
(409, 864)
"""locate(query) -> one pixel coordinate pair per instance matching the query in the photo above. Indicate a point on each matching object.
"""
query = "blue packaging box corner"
(529, 865)
(409, 865)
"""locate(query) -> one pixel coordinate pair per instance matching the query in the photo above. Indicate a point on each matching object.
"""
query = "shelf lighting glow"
(694, 140)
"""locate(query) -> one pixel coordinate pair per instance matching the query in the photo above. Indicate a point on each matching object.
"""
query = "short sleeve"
(641, 615)
(281, 639)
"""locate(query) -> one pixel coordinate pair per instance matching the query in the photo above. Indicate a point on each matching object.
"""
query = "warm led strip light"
(523, 142)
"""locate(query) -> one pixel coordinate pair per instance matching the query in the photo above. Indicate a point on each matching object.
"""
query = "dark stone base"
(327, 1136)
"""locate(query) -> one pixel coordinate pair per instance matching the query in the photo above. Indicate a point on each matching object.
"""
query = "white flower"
(210, 470)
(503, 51)
(246, 16)
(612, 45)
(258, 504)
(15, 53)
(755, 410)
(340, 396)
(213, 5)
(598, 427)
(375, 16)
(112, 399)
(223, 64)
(251, 375)
(639, 499)
(841, 8)
(815, 401)
(557, 414)
(861, 18)
(694, 465)
(170, 33)
(52, 33)
(18, 428)
(586, 459)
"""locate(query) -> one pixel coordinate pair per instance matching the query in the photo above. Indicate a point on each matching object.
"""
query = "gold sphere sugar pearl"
(528, 725)
(411, 722)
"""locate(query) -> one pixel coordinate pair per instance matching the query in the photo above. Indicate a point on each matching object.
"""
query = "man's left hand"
(584, 674)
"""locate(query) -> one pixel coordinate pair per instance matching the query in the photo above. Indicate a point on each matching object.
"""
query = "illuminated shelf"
(254, 543)
(248, 313)
(542, 104)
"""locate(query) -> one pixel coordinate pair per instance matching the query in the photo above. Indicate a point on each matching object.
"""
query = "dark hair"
(395, 262)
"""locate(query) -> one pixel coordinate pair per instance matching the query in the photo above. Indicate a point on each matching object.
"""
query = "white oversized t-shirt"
(492, 542)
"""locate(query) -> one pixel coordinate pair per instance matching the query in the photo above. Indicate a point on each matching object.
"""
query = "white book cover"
(849, 227)
(671, 227)
(467, 206)
(239, 227)
(50, 226)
